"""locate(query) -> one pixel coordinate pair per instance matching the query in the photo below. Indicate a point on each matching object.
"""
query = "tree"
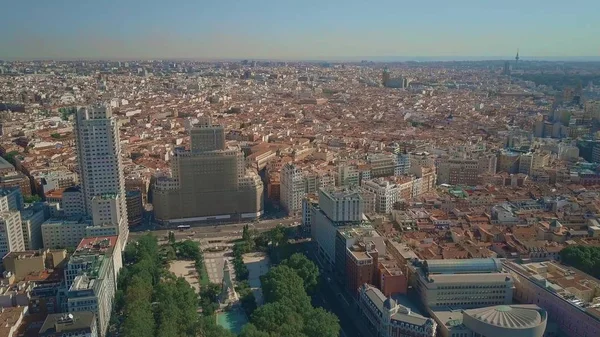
(278, 235)
(138, 309)
(282, 284)
(321, 323)
(585, 258)
(169, 252)
(187, 249)
(246, 233)
(209, 298)
(10, 157)
(30, 199)
(278, 319)
(250, 330)
(207, 327)
(305, 268)
(172, 239)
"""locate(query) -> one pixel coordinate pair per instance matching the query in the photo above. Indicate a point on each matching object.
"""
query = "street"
(331, 297)
(225, 231)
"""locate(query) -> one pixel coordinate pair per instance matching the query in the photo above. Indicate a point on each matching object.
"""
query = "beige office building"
(465, 284)
(209, 182)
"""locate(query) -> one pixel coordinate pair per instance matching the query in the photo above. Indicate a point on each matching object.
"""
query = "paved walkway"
(258, 265)
(187, 270)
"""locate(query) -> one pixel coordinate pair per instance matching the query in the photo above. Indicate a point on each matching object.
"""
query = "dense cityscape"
(262, 198)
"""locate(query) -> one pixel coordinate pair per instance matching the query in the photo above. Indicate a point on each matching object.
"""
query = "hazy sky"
(297, 29)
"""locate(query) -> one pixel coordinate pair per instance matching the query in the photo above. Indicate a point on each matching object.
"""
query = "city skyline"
(311, 30)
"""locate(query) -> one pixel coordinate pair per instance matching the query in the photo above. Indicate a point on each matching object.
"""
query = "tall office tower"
(291, 188)
(101, 170)
(506, 70)
(385, 77)
(11, 235)
(208, 182)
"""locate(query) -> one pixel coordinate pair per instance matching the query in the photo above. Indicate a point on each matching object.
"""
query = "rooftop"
(4, 164)
(96, 245)
(70, 322)
(463, 266)
(509, 316)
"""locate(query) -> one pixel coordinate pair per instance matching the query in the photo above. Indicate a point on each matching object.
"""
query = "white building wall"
(291, 188)
(56, 234)
(99, 155)
(11, 233)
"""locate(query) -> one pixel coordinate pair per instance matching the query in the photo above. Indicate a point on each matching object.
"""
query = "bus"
(183, 227)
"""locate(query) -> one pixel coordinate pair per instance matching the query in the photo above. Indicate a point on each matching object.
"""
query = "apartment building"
(347, 175)
(32, 219)
(389, 318)
(347, 237)
(64, 232)
(23, 263)
(386, 194)
(12, 198)
(291, 188)
(54, 180)
(341, 204)
(11, 233)
(91, 276)
(135, 207)
(458, 171)
(76, 324)
(361, 265)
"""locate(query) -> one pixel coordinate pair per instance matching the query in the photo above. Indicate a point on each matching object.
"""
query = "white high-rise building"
(341, 204)
(100, 169)
(11, 235)
(291, 188)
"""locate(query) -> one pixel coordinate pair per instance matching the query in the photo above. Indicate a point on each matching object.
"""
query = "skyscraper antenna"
(517, 57)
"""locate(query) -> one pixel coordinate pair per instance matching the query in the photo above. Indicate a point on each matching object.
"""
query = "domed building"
(506, 320)
(524, 320)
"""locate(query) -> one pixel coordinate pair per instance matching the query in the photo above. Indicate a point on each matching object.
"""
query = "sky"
(298, 29)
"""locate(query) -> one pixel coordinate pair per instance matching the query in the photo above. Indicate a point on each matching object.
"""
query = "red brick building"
(361, 265)
(391, 279)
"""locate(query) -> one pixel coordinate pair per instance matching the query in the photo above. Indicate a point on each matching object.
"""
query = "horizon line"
(341, 59)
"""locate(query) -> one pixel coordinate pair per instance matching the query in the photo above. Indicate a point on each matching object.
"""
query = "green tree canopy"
(187, 249)
(250, 330)
(282, 284)
(321, 323)
(584, 258)
(277, 318)
(305, 268)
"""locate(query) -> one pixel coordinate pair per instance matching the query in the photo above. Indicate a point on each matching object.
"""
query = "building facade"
(341, 204)
(465, 284)
(77, 324)
(32, 219)
(209, 182)
(388, 318)
(100, 167)
(135, 207)
(518, 320)
(566, 294)
(91, 277)
(291, 189)
(11, 233)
